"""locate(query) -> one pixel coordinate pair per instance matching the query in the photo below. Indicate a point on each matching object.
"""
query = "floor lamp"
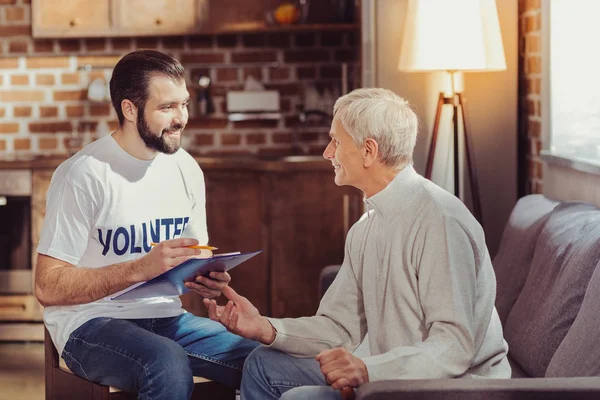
(453, 36)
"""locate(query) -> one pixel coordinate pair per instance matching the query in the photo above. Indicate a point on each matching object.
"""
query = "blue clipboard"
(171, 283)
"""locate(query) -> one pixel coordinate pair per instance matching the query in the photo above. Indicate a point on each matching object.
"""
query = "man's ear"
(129, 110)
(370, 152)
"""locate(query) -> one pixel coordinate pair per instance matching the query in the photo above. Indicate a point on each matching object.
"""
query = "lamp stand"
(459, 110)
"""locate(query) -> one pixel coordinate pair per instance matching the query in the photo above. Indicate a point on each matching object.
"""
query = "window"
(574, 80)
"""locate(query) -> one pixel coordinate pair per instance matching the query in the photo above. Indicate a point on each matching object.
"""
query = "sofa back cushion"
(566, 254)
(517, 245)
(579, 353)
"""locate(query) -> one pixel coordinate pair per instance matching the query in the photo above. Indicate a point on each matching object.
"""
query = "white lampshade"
(452, 35)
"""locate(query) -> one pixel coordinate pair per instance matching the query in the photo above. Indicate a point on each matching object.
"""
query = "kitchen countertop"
(244, 162)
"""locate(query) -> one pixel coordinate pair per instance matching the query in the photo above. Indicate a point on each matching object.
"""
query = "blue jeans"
(158, 357)
(271, 374)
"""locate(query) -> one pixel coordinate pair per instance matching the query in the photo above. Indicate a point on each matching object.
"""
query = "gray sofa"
(548, 299)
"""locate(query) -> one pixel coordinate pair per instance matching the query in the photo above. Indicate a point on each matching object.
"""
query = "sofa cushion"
(579, 353)
(566, 254)
(515, 253)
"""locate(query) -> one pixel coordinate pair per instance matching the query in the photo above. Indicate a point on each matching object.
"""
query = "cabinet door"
(158, 17)
(70, 18)
(309, 220)
(235, 218)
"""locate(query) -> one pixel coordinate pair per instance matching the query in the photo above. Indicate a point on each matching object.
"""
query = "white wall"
(492, 99)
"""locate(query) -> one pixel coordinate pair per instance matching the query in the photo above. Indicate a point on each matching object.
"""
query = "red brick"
(207, 123)
(18, 46)
(14, 14)
(15, 30)
(22, 144)
(24, 111)
(279, 74)
(98, 61)
(532, 44)
(69, 45)
(19, 80)
(252, 57)
(96, 44)
(227, 40)
(47, 62)
(48, 143)
(285, 89)
(203, 58)
(2, 2)
(531, 5)
(330, 72)
(11, 63)
(45, 79)
(21, 95)
(48, 112)
(306, 72)
(98, 110)
(346, 55)
(43, 46)
(534, 129)
(331, 39)
(50, 127)
(227, 74)
(71, 78)
(205, 139)
(66, 95)
(74, 111)
(112, 125)
(534, 65)
(285, 105)
(305, 56)
(9, 127)
(281, 138)
(309, 136)
(254, 40)
(255, 72)
(231, 139)
(173, 42)
(256, 123)
(281, 40)
(121, 43)
(200, 42)
(256, 138)
(2, 144)
(305, 39)
(2, 110)
(147, 43)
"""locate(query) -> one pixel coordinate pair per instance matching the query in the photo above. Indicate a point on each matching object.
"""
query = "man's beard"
(158, 143)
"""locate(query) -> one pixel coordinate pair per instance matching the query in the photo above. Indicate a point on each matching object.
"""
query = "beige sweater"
(418, 278)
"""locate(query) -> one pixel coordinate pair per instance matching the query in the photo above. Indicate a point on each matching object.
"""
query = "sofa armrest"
(478, 389)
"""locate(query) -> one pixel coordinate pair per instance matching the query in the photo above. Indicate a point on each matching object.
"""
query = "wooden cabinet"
(109, 18)
(292, 211)
(71, 18)
(114, 18)
(143, 17)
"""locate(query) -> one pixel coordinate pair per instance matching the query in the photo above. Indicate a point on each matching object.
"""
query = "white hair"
(384, 116)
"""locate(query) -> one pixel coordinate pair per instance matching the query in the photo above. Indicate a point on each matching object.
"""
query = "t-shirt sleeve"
(196, 227)
(68, 222)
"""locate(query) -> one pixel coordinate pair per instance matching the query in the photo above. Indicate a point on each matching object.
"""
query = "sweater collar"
(391, 198)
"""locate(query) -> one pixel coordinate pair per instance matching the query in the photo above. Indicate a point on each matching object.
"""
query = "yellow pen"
(193, 247)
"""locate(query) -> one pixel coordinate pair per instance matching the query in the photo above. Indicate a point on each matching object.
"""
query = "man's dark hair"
(131, 77)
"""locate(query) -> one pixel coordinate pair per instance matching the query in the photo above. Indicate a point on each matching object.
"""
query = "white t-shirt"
(106, 207)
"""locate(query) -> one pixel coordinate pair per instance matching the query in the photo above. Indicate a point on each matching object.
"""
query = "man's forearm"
(67, 285)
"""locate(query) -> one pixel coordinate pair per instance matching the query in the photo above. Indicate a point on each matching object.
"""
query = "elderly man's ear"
(370, 152)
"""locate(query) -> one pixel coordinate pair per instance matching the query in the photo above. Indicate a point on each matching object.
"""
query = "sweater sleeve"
(340, 319)
(445, 260)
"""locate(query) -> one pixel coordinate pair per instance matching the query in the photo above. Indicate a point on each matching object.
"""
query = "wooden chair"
(62, 384)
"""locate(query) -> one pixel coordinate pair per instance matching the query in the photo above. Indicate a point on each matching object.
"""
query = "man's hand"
(341, 368)
(163, 257)
(210, 286)
(239, 316)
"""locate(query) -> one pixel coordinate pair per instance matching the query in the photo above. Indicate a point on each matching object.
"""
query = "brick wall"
(530, 69)
(43, 88)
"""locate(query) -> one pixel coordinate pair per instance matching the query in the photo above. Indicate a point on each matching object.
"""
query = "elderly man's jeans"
(271, 374)
(156, 357)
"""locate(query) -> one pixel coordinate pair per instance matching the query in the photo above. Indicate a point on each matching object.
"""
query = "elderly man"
(416, 276)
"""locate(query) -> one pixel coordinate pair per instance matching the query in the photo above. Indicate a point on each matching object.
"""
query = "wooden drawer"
(17, 308)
